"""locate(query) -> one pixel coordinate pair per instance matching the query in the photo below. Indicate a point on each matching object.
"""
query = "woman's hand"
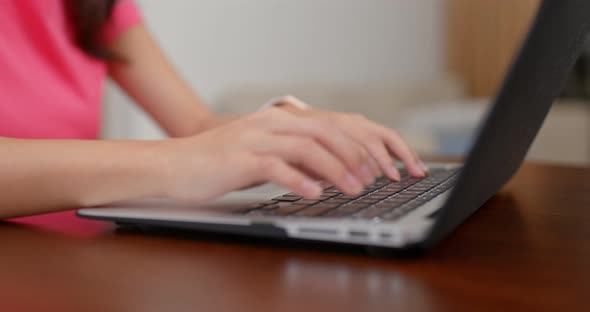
(382, 143)
(289, 149)
(284, 148)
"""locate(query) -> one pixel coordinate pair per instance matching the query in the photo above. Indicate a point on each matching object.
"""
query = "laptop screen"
(536, 78)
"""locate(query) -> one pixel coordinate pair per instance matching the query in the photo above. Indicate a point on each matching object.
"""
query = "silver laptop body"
(534, 81)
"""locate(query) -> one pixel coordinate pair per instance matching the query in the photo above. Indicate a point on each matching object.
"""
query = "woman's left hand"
(381, 143)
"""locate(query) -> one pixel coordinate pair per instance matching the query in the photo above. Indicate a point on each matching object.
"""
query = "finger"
(364, 132)
(375, 167)
(398, 147)
(352, 154)
(379, 152)
(279, 172)
(313, 157)
(419, 161)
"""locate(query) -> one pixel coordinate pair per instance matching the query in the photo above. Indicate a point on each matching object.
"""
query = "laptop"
(413, 214)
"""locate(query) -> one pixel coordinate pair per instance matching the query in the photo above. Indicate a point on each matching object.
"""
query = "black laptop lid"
(535, 80)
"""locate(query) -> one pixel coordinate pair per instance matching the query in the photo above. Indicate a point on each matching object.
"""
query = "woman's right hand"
(269, 146)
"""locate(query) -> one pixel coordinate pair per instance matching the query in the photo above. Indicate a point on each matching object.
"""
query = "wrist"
(120, 171)
(216, 120)
(164, 165)
(208, 122)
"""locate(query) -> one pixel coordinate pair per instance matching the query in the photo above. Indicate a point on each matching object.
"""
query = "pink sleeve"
(125, 15)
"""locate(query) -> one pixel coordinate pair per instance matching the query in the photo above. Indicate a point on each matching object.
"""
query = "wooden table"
(528, 249)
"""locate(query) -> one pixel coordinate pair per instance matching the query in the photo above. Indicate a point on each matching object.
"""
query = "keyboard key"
(411, 192)
(390, 190)
(269, 207)
(337, 200)
(379, 196)
(342, 196)
(392, 203)
(382, 200)
(248, 208)
(373, 212)
(316, 210)
(287, 209)
(324, 197)
(346, 210)
(403, 196)
(288, 198)
(367, 201)
(308, 201)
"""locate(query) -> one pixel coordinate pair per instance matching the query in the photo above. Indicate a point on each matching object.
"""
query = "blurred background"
(428, 68)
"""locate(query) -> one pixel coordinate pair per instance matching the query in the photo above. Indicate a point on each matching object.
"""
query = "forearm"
(40, 176)
(151, 80)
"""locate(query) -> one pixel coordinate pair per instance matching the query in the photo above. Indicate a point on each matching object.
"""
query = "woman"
(55, 55)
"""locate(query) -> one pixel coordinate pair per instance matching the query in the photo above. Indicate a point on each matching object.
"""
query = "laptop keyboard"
(382, 200)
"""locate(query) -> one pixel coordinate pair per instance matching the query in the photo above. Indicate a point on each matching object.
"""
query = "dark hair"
(87, 18)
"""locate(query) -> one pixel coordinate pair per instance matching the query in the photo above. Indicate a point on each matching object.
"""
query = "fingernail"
(424, 167)
(366, 174)
(311, 188)
(354, 184)
(394, 174)
(416, 170)
(421, 173)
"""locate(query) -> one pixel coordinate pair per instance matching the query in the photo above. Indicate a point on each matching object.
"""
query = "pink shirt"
(48, 87)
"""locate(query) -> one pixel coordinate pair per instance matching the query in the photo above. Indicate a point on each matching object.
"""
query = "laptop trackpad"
(228, 202)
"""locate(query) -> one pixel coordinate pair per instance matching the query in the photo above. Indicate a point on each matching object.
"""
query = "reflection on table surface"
(525, 249)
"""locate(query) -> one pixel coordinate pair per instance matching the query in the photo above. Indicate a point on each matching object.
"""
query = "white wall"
(220, 44)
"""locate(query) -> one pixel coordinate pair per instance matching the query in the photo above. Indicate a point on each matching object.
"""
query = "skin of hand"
(153, 82)
(211, 154)
(269, 146)
(289, 148)
(379, 141)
